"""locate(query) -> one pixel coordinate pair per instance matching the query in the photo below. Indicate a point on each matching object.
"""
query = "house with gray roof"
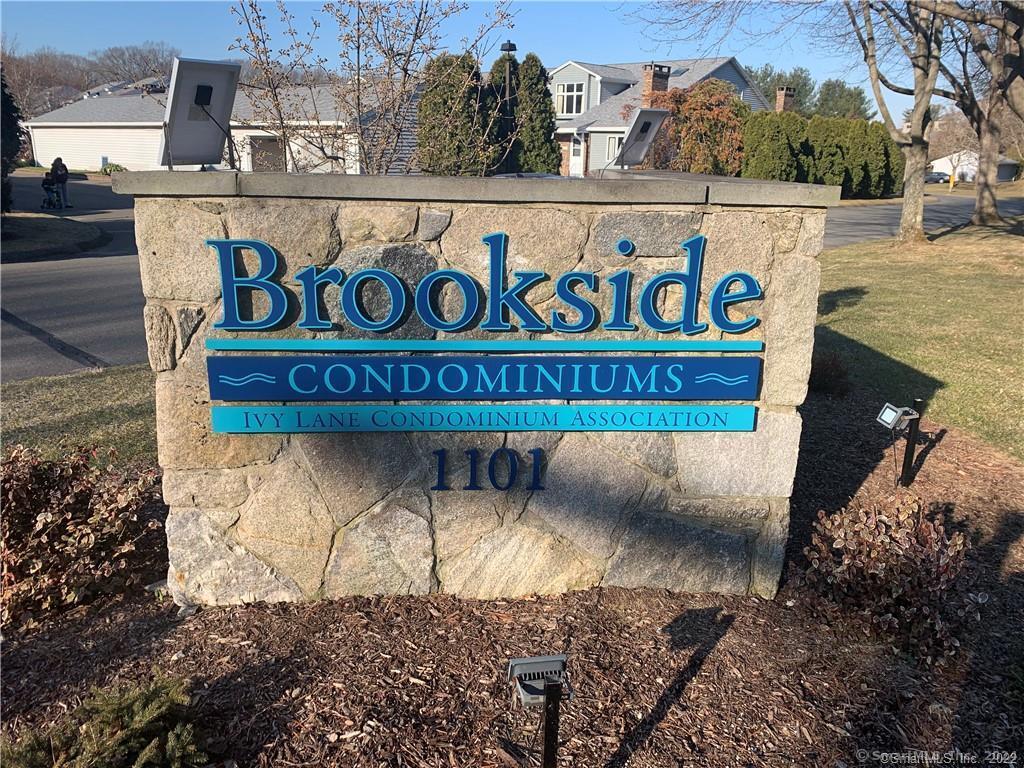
(127, 130)
(593, 101)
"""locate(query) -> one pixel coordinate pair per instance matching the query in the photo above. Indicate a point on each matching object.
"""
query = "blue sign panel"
(499, 377)
(474, 418)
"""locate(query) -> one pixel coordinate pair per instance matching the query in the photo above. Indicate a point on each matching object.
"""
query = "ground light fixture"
(896, 419)
(541, 681)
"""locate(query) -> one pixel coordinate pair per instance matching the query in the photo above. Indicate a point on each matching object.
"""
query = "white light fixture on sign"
(197, 120)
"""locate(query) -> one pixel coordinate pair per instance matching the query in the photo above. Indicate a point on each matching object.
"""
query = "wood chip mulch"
(659, 679)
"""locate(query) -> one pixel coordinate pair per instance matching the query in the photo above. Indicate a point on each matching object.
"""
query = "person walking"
(60, 178)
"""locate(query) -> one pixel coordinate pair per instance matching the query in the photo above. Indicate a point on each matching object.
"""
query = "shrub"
(110, 168)
(877, 160)
(893, 167)
(703, 132)
(854, 139)
(767, 153)
(72, 529)
(827, 161)
(896, 570)
(829, 375)
(795, 127)
(128, 727)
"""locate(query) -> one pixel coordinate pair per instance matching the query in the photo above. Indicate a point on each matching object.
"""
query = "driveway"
(85, 311)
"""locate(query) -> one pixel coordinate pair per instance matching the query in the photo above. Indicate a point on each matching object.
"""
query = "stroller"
(52, 196)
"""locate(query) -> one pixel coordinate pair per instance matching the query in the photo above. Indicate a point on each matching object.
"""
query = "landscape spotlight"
(532, 674)
(894, 418)
(539, 681)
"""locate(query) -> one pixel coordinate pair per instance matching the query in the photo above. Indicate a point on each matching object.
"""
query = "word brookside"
(501, 301)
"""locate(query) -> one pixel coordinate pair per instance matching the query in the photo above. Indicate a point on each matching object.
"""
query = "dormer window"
(569, 99)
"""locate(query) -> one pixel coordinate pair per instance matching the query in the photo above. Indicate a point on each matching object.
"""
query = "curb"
(71, 251)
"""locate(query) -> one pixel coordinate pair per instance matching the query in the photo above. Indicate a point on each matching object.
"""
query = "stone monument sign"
(485, 387)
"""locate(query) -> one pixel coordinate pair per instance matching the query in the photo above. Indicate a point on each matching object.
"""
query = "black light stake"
(540, 681)
(906, 475)
(552, 710)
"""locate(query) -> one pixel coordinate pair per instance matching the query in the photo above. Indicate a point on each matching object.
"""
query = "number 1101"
(503, 457)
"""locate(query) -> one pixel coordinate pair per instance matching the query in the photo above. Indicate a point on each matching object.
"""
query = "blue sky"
(556, 31)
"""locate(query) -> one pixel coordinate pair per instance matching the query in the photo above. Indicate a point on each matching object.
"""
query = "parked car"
(936, 177)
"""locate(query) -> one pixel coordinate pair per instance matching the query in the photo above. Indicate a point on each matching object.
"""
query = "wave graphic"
(719, 378)
(242, 381)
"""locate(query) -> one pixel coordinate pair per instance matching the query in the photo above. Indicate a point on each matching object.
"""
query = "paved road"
(85, 311)
(856, 223)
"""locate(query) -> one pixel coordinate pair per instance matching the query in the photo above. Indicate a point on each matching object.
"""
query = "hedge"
(854, 154)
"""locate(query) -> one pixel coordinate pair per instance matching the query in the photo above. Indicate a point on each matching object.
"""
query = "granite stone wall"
(306, 516)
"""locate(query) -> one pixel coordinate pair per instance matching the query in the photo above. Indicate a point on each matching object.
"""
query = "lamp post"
(508, 49)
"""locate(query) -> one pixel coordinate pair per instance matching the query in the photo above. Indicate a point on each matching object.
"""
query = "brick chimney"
(655, 79)
(784, 96)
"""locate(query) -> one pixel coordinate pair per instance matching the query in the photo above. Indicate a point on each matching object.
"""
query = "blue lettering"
(620, 282)
(311, 318)
(502, 298)
(231, 282)
(350, 295)
(294, 384)
(470, 299)
(586, 310)
(676, 381)
(721, 298)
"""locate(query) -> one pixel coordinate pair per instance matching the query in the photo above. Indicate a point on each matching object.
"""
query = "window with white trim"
(614, 145)
(569, 98)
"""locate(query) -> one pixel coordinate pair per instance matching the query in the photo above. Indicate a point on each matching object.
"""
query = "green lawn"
(938, 320)
(112, 408)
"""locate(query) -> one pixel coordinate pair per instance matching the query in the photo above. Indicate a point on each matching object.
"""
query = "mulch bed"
(660, 679)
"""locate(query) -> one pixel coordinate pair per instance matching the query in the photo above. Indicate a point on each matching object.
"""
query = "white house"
(590, 100)
(963, 166)
(127, 130)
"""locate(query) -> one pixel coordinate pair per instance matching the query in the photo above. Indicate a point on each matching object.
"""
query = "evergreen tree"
(505, 104)
(854, 138)
(10, 140)
(828, 164)
(893, 167)
(837, 99)
(456, 135)
(877, 160)
(766, 149)
(535, 118)
(768, 79)
(795, 128)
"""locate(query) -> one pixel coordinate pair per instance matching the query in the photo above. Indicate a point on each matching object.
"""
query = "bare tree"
(1001, 54)
(981, 101)
(984, 77)
(951, 132)
(894, 39)
(952, 136)
(131, 63)
(363, 102)
(274, 77)
(44, 79)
